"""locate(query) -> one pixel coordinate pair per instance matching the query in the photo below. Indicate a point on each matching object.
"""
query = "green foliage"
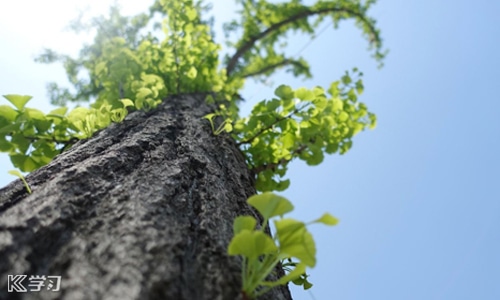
(265, 26)
(32, 138)
(302, 123)
(261, 253)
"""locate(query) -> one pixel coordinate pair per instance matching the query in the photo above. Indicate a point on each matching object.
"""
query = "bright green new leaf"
(127, 102)
(295, 241)
(192, 73)
(284, 92)
(117, 115)
(60, 111)
(8, 113)
(244, 223)
(270, 205)
(327, 219)
(19, 101)
(251, 244)
(343, 116)
(20, 176)
(228, 127)
(191, 13)
(35, 114)
(304, 94)
(143, 93)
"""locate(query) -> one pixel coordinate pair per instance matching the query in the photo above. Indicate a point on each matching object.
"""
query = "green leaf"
(273, 104)
(343, 116)
(270, 205)
(192, 73)
(191, 13)
(346, 79)
(101, 67)
(251, 244)
(327, 219)
(307, 285)
(19, 101)
(284, 92)
(315, 158)
(337, 104)
(244, 223)
(5, 146)
(20, 176)
(304, 94)
(295, 241)
(8, 113)
(118, 114)
(35, 114)
(21, 142)
(61, 111)
(24, 162)
(228, 127)
(283, 185)
(127, 102)
(143, 93)
(359, 87)
(288, 140)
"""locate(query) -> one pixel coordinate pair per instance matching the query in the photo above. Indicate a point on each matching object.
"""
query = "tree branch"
(271, 67)
(282, 162)
(249, 140)
(305, 14)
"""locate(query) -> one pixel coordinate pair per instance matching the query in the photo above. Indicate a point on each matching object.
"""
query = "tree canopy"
(135, 62)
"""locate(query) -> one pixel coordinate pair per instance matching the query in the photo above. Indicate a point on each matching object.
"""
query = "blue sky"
(418, 197)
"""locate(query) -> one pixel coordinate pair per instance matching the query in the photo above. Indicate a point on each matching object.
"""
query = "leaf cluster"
(302, 123)
(32, 138)
(261, 253)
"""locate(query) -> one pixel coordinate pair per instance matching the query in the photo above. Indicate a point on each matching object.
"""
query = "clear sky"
(419, 196)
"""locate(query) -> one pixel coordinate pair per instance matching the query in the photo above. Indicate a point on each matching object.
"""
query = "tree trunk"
(142, 210)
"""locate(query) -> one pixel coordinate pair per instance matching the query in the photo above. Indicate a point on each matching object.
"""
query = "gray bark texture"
(142, 210)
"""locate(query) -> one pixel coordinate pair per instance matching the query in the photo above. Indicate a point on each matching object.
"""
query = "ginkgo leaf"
(270, 205)
(244, 223)
(19, 101)
(284, 92)
(295, 241)
(8, 113)
(127, 102)
(251, 244)
(327, 219)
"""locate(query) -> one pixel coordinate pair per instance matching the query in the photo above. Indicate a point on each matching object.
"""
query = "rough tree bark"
(142, 210)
